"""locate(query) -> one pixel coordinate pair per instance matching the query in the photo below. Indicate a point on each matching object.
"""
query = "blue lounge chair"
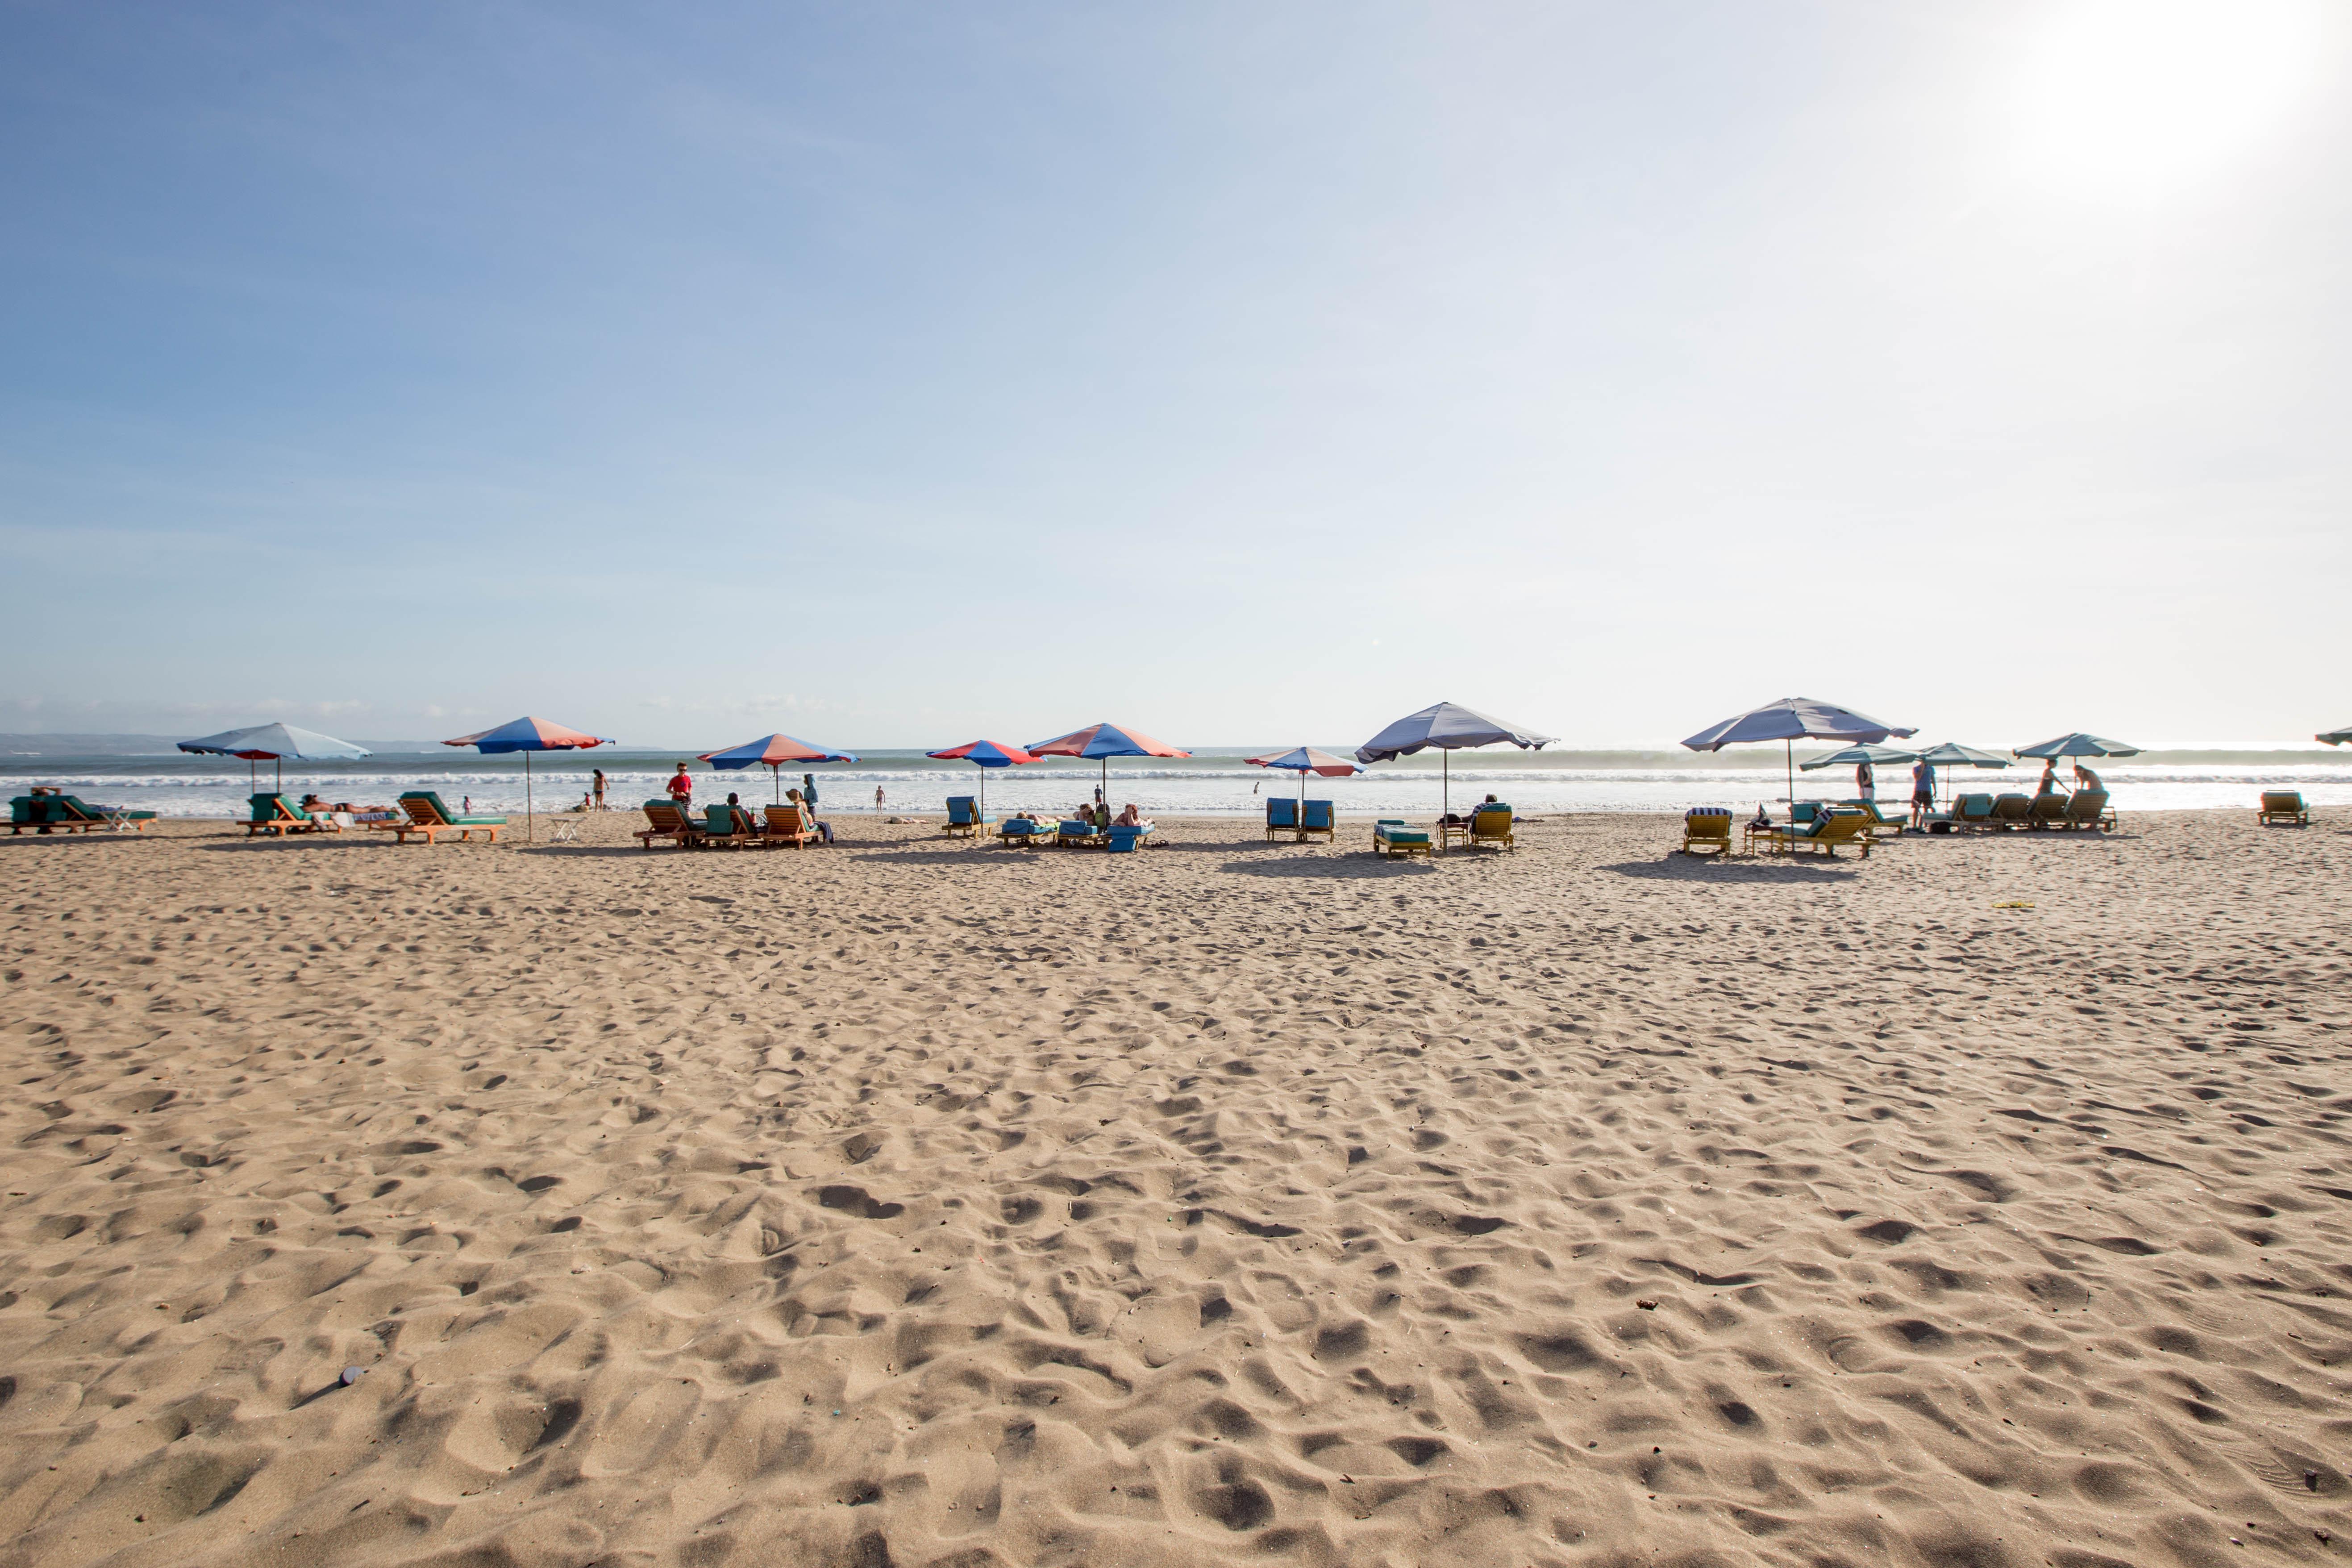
(1317, 817)
(1073, 833)
(1123, 840)
(964, 816)
(1281, 816)
(1021, 833)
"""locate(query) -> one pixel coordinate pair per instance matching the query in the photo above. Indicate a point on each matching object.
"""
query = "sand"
(908, 1202)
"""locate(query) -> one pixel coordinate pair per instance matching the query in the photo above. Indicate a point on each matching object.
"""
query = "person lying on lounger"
(1129, 816)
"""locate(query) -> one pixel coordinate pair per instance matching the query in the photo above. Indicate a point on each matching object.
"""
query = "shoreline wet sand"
(913, 1203)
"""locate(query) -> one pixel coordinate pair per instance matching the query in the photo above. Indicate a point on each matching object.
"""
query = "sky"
(897, 375)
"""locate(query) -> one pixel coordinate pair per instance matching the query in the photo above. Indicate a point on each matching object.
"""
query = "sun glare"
(2133, 97)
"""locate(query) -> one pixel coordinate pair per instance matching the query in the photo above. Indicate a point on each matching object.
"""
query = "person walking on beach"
(681, 787)
(599, 790)
(1923, 791)
(877, 797)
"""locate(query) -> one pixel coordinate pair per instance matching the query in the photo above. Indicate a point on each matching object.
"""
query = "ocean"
(1212, 783)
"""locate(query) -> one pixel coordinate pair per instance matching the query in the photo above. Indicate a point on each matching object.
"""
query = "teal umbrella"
(1951, 754)
(1854, 756)
(2077, 745)
(2335, 736)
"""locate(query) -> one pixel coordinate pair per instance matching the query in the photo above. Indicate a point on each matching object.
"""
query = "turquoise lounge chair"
(1318, 817)
(276, 813)
(429, 817)
(1022, 833)
(1281, 816)
(1393, 836)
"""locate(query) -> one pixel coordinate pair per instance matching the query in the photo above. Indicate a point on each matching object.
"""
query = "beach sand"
(917, 1204)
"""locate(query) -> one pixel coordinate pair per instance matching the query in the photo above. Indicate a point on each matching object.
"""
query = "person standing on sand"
(681, 788)
(1923, 791)
(599, 791)
(1865, 782)
(877, 797)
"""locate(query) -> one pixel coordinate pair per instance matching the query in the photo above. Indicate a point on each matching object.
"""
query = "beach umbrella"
(984, 755)
(1790, 720)
(1102, 743)
(1854, 756)
(1304, 760)
(1450, 727)
(528, 735)
(774, 751)
(274, 743)
(1950, 755)
(2077, 745)
(2335, 736)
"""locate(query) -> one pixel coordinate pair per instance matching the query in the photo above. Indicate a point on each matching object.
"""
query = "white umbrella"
(273, 743)
(1450, 727)
(1789, 720)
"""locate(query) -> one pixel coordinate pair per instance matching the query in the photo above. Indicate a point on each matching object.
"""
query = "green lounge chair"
(665, 820)
(1392, 837)
(276, 813)
(429, 817)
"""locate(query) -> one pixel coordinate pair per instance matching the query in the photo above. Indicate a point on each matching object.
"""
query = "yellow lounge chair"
(2283, 806)
(1492, 824)
(1831, 828)
(786, 825)
(1706, 828)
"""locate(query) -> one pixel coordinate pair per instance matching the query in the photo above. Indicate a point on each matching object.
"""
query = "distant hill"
(143, 745)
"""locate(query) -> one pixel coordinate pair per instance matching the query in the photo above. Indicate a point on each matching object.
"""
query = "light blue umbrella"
(1854, 756)
(2335, 736)
(2077, 745)
(273, 743)
(1450, 727)
(1951, 754)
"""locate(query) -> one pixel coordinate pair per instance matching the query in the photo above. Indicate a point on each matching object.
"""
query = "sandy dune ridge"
(909, 1203)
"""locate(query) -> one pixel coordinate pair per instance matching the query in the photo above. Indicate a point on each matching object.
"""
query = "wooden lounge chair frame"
(2283, 806)
(1705, 828)
(669, 820)
(785, 825)
(428, 823)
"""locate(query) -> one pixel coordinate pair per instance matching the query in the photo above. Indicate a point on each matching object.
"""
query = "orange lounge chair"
(787, 825)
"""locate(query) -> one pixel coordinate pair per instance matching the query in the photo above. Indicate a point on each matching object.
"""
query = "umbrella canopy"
(528, 735)
(1304, 760)
(2077, 745)
(774, 751)
(1307, 760)
(274, 743)
(1854, 756)
(1104, 742)
(2335, 736)
(1790, 720)
(985, 755)
(266, 743)
(1450, 727)
(1951, 754)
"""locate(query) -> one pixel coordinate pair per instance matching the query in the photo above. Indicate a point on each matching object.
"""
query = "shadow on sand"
(1680, 868)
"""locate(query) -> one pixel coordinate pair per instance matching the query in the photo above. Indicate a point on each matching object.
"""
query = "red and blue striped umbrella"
(1307, 760)
(985, 755)
(1103, 742)
(774, 751)
(528, 735)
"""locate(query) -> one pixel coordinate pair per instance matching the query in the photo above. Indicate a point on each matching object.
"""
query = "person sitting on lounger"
(1130, 816)
(2085, 779)
(823, 830)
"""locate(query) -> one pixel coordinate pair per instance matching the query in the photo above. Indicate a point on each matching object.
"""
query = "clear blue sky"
(896, 375)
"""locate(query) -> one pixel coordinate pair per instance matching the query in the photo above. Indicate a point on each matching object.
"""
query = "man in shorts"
(1923, 791)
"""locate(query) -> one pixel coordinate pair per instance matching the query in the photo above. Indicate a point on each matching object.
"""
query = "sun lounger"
(1969, 814)
(1707, 829)
(2011, 811)
(667, 820)
(1492, 824)
(965, 818)
(2088, 808)
(1884, 822)
(2283, 806)
(787, 825)
(1076, 835)
(429, 817)
(1829, 828)
(2048, 811)
(1282, 816)
(276, 813)
(1393, 836)
(1121, 838)
(1319, 817)
(727, 827)
(1021, 833)
(89, 816)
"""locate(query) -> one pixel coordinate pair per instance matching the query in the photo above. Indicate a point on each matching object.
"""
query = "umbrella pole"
(1789, 765)
(527, 833)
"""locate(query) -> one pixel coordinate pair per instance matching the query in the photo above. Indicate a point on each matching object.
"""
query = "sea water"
(1205, 785)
